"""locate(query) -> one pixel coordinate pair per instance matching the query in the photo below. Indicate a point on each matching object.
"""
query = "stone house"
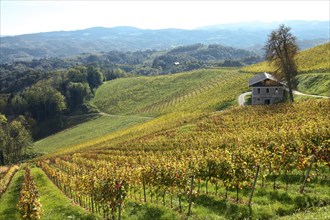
(266, 89)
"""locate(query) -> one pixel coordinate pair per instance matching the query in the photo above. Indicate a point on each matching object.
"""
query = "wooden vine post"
(254, 185)
(190, 195)
(302, 188)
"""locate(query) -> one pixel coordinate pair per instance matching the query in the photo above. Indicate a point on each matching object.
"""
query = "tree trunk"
(288, 78)
(2, 158)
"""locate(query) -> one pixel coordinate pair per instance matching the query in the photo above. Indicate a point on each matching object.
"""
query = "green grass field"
(83, 132)
(315, 59)
(314, 83)
(10, 198)
(317, 213)
(54, 203)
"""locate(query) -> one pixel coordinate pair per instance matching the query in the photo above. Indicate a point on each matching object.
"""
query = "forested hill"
(97, 39)
(21, 74)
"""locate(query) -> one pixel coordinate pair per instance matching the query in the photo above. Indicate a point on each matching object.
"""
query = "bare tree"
(281, 49)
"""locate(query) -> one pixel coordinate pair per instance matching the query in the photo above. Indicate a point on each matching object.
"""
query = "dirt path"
(109, 115)
(304, 94)
(241, 98)
(106, 114)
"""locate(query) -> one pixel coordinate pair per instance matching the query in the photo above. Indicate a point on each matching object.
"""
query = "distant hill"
(21, 74)
(315, 59)
(68, 43)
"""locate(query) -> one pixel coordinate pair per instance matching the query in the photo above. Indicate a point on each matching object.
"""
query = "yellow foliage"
(315, 59)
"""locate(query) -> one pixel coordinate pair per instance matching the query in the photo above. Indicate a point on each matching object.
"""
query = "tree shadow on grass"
(137, 211)
(224, 208)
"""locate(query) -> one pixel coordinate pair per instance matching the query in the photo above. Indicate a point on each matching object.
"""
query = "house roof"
(261, 77)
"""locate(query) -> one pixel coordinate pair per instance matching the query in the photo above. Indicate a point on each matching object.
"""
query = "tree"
(3, 138)
(76, 93)
(14, 139)
(281, 49)
(94, 76)
(42, 101)
(78, 74)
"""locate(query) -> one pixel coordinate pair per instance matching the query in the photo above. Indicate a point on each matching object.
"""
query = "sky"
(22, 17)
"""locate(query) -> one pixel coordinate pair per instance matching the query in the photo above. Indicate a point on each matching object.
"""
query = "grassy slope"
(320, 213)
(86, 131)
(267, 203)
(209, 90)
(314, 70)
(55, 204)
(10, 198)
(314, 83)
(163, 94)
(315, 59)
(203, 90)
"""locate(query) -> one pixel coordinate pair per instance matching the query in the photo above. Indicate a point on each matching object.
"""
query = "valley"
(171, 146)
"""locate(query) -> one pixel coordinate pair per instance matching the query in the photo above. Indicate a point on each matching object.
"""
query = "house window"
(276, 90)
(267, 90)
(258, 90)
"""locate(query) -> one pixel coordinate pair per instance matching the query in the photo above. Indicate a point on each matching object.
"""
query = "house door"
(267, 101)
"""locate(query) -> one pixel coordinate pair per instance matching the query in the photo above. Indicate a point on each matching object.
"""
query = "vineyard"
(209, 90)
(313, 60)
(154, 96)
(196, 156)
(288, 152)
(97, 127)
(6, 174)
